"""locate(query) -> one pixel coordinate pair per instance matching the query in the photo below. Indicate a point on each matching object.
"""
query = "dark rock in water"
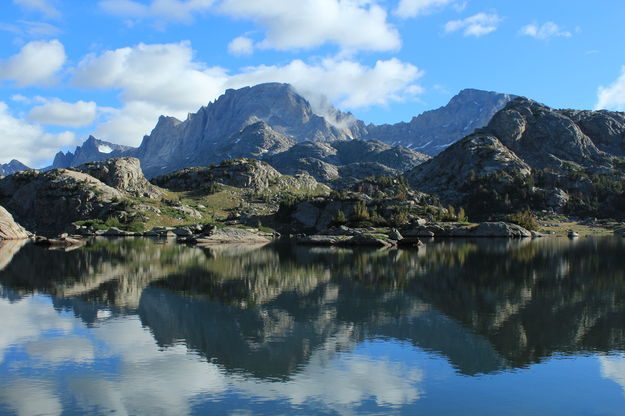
(60, 242)
(9, 229)
(367, 240)
(123, 174)
(318, 240)
(12, 167)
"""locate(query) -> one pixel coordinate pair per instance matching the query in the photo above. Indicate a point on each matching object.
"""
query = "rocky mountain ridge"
(534, 151)
(12, 167)
(266, 121)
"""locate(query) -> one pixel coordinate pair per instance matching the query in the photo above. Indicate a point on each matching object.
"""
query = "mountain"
(433, 131)
(220, 131)
(270, 121)
(91, 150)
(12, 167)
(534, 153)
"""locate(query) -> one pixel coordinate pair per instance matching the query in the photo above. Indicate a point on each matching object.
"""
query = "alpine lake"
(140, 326)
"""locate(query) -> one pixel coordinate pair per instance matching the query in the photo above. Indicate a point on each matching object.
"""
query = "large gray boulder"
(499, 229)
(9, 229)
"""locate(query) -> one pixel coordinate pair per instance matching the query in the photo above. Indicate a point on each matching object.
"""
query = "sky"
(71, 68)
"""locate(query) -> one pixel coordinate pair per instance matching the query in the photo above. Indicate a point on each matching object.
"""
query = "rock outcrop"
(9, 229)
(345, 160)
(240, 173)
(48, 202)
(123, 174)
(523, 138)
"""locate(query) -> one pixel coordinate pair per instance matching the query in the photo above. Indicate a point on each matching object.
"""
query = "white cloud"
(60, 113)
(545, 31)
(347, 83)
(477, 25)
(352, 24)
(37, 62)
(612, 97)
(44, 7)
(28, 142)
(613, 368)
(412, 8)
(163, 10)
(30, 29)
(241, 46)
(28, 396)
(165, 79)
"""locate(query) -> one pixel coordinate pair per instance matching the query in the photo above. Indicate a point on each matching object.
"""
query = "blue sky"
(71, 68)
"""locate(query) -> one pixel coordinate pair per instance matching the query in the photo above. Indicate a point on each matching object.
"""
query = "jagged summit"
(91, 150)
(268, 119)
(12, 167)
(433, 131)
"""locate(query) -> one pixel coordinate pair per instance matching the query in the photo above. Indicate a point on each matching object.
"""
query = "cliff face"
(435, 130)
(225, 127)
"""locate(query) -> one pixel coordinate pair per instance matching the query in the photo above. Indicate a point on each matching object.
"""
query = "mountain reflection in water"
(257, 316)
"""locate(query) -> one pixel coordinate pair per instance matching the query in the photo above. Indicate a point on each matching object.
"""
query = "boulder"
(367, 240)
(9, 229)
(498, 229)
(231, 235)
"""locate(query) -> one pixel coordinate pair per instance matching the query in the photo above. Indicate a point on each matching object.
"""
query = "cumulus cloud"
(165, 79)
(412, 8)
(241, 46)
(545, 31)
(164, 10)
(28, 142)
(477, 25)
(613, 368)
(352, 24)
(31, 29)
(612, 97)
(45, 7)
(36, 63)
(347, 83)
(60, 113)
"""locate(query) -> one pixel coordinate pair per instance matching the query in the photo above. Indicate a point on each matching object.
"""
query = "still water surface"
(133, 327)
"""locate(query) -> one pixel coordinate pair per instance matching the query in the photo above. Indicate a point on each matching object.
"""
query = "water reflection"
(297, 326)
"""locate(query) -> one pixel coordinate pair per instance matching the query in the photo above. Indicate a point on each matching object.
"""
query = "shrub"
(525, 219)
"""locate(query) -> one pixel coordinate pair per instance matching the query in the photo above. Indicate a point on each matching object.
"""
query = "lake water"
(486, 327)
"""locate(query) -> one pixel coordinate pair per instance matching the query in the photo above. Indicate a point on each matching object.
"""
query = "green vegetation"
(525, 219)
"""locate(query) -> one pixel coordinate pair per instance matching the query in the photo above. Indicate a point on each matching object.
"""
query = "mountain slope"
(433, 131)
(12, 167)
(200, 139)
(532, 153)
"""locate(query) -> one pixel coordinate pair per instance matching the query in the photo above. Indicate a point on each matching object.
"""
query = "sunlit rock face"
(9, 229)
